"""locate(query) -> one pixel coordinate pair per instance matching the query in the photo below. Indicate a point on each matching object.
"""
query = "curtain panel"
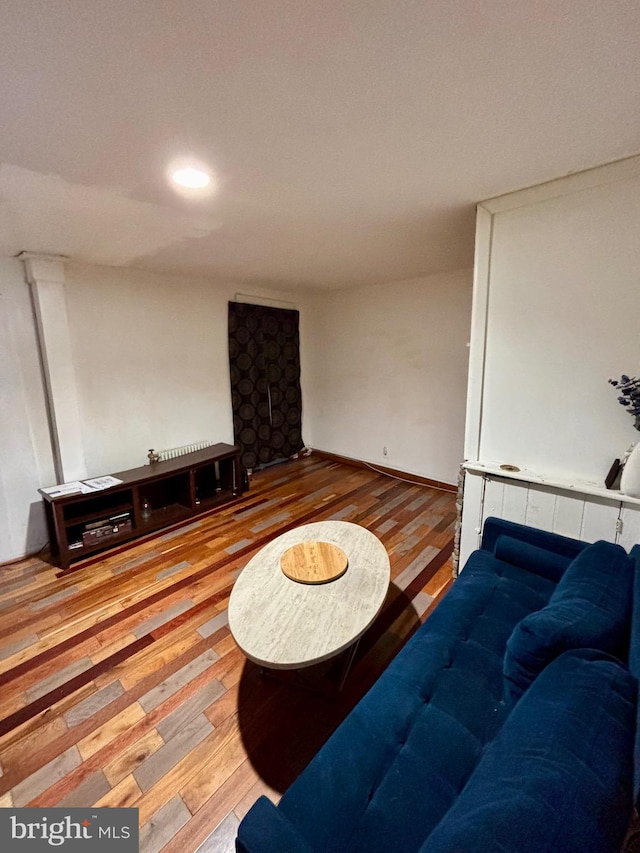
(264, 362)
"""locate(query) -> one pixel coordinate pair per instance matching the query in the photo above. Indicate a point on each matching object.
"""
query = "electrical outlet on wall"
(385, 450)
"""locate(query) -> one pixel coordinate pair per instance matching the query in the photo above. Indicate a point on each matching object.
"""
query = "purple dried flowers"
(629, 389)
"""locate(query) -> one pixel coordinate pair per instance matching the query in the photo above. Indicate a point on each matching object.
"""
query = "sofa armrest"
(563, 546)
(529, 557)
(265, 829)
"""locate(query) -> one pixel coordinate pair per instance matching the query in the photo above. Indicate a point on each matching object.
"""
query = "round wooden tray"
(314, 562)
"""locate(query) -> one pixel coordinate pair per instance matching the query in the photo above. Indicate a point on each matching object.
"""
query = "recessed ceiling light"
(191, 178)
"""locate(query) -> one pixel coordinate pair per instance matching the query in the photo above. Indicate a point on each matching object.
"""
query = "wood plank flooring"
(120, 684)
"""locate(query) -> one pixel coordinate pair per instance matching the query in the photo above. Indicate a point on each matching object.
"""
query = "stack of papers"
(82, 487)
(98, 483)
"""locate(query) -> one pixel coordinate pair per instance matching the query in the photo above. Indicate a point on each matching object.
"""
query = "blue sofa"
(507, 722)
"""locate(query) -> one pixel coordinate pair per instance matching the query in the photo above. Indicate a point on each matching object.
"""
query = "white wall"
(387, 367)
(26, 461)
(151, 360)
(563, 309)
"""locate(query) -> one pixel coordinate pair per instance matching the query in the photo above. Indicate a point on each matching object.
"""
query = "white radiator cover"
(173, 452)
(585, 511)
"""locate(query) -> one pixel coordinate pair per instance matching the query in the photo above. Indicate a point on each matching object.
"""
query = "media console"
(147, 499)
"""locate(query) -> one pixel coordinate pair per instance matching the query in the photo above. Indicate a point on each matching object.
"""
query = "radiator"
(173, 452)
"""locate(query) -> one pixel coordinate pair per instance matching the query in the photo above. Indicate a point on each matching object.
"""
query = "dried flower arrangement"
(629, 390)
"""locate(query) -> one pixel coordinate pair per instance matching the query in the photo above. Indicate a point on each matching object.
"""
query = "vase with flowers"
(629, 396)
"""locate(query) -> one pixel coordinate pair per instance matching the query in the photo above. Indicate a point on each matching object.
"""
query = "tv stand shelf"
(147, 499)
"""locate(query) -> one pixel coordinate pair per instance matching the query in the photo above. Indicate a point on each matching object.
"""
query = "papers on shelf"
(98, 483)
(82, 487)
(64, 489)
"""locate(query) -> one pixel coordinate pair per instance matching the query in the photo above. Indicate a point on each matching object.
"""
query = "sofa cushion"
(590, 608)
(489, 598)
(558, 776)
(439, 701)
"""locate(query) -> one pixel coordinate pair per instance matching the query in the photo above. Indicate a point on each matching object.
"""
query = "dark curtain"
(264, 360)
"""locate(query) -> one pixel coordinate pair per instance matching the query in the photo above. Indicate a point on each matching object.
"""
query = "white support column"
(478, 341)
(46, 276)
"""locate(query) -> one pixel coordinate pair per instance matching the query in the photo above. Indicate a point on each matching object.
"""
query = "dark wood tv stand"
(148, 499)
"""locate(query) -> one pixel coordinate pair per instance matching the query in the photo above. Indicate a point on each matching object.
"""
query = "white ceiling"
(351, 138)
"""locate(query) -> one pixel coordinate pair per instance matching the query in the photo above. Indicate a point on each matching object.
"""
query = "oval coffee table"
(280, 623)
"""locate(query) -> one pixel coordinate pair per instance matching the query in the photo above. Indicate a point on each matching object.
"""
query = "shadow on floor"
(283, 725)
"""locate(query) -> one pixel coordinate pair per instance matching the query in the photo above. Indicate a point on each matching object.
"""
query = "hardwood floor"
(121, 685)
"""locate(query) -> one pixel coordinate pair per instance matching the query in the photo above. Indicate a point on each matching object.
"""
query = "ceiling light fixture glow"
(191, 178)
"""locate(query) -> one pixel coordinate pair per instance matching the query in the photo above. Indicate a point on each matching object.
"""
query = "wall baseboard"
(392, 472)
